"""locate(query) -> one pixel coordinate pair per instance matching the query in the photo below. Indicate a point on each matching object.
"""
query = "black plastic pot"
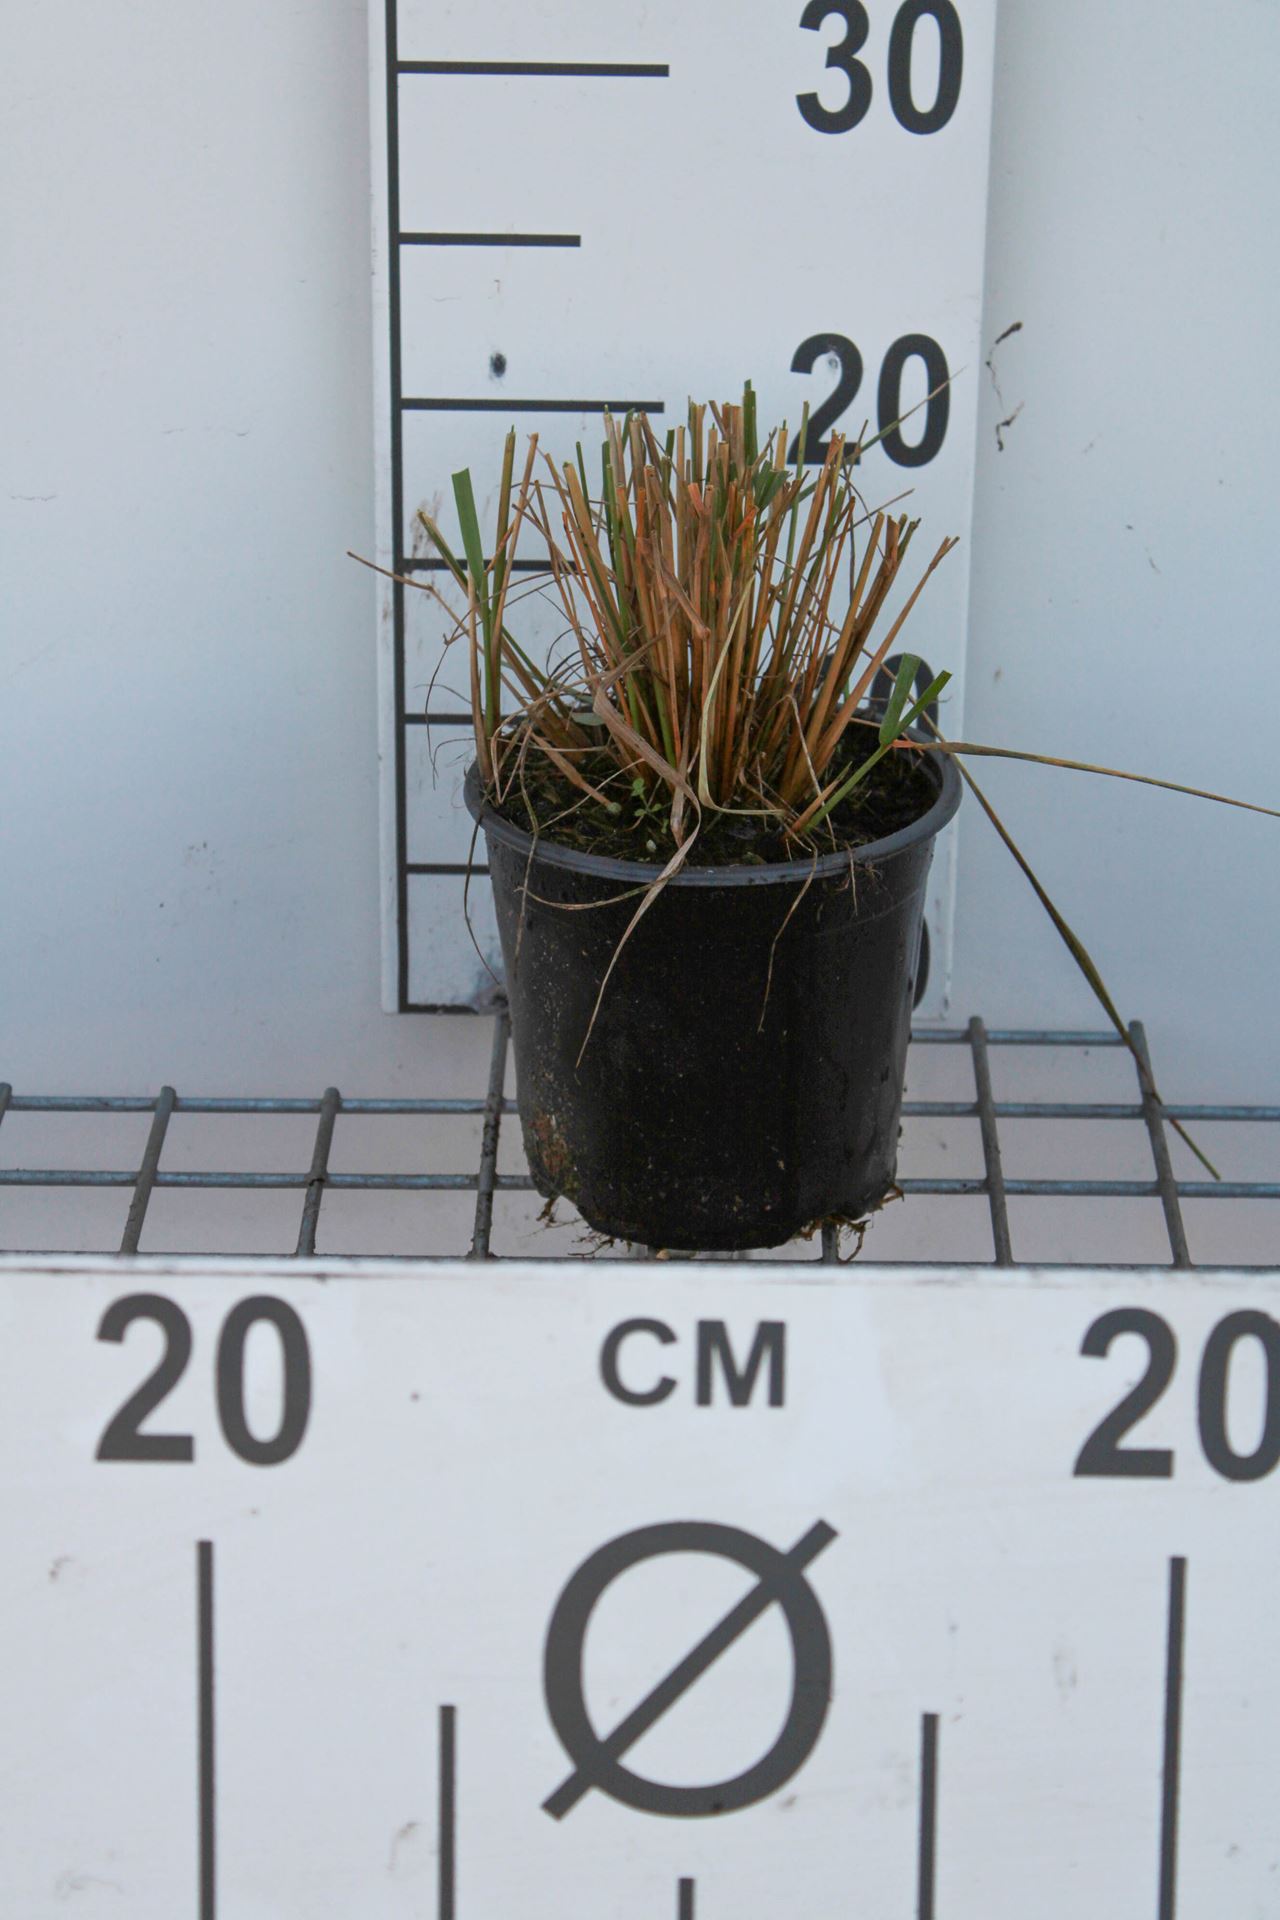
(717, 1105)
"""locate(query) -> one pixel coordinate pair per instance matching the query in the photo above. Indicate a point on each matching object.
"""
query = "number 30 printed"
(902, 41)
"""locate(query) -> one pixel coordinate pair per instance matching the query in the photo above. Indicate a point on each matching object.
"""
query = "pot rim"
(779, 873)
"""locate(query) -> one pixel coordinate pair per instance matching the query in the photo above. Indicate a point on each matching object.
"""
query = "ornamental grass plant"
(724, 624)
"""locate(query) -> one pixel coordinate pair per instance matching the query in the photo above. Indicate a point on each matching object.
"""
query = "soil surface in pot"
(898, 790)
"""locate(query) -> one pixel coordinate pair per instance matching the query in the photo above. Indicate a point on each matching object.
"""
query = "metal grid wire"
(319, 1179)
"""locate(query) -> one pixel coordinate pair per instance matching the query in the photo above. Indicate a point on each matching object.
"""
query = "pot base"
(750, 1233)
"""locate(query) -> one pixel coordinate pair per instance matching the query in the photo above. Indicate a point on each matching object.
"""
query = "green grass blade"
(459, 571)
(902, 725)
(891, 725)
(473, 547)
(472, 544)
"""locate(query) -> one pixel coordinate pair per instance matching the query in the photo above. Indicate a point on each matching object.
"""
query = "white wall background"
(188, 805)
(1125, 563)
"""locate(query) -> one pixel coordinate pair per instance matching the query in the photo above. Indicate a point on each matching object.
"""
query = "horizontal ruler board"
(459, 1592)
(579, 207)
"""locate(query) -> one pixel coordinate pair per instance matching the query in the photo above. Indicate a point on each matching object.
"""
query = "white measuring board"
(579, 205)
(376, 1592)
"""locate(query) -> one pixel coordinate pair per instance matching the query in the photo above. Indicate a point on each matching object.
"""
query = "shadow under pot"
(743, 1079)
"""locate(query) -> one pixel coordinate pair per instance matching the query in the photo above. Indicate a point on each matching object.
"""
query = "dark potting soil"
(898, 790)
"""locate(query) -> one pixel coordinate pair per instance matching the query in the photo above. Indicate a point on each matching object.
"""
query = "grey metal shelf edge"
(317, 1179)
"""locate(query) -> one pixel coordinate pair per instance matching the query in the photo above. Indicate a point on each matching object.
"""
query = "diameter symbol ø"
(780, 1581)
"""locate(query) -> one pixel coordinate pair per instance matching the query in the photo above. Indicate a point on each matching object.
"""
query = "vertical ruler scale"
(581, 207)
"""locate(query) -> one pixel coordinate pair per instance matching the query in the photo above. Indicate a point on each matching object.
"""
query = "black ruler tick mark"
(427, 868)
(205, 1729)
(927, 1870)
(490, 239)
(455, 404)
(542, 69)
(1168, 1897)
(448, 1812)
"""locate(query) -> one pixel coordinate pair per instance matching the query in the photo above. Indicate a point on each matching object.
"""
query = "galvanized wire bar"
(246, 1103)
(1077, 1110)
(1004, 1109)
(146, 1177)
(995, 1182)
(1165, 1181)
(489, 1139)
(1104, 1189)
(249, 1181)
(1018, 1037)
(521, 1183)
(330, 1102)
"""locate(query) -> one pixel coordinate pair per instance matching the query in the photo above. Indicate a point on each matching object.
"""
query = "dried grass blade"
(509, 529)
(768, 979)
(971, 747)
(1080, 954)
(628, 735)
(831, 738)
(673, 866)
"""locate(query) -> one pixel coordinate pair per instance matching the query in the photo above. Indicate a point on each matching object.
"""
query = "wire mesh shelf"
(991, 1182)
